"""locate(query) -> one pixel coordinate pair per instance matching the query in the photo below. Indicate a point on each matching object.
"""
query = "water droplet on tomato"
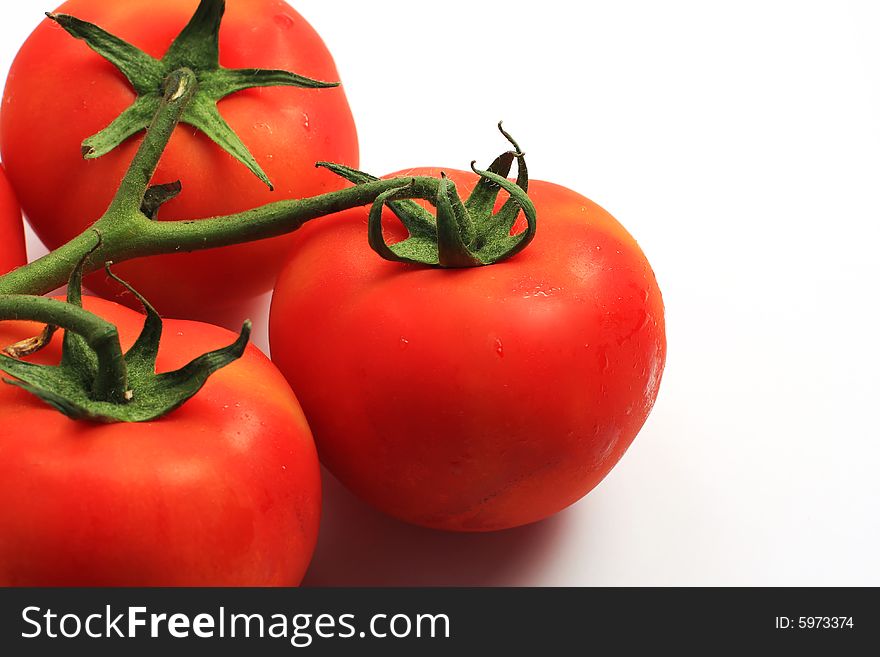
(499, 348)
(404, 343)
(284, 21)
(306, 121)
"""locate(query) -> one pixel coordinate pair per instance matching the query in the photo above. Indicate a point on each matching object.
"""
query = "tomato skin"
(474, 399)
(59, 92)
(224, 491)
(12, 250)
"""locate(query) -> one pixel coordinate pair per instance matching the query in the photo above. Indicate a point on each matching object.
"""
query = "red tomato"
(59, 92)
(12, 253)
(473, 399)
(223, 491)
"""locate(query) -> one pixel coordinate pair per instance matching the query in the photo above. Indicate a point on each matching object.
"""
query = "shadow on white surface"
(359, 546)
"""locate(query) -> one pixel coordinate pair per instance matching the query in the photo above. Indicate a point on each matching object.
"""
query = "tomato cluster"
(469, 399)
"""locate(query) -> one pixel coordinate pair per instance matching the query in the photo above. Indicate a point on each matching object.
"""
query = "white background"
(740, 144)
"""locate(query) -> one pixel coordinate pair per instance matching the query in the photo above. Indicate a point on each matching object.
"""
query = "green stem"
(273, 219)
(126, 233)
(179, 88)
(138, 236)
(123, 221)
(53, 269)
(101, 336)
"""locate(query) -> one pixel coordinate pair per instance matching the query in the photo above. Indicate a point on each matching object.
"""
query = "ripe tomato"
(223, 491)
(12, 253)
(473, 399)
(60, 92)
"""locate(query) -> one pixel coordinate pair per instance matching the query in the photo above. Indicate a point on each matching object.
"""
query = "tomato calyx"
(195, 48)
(95, 380)
(463, 233)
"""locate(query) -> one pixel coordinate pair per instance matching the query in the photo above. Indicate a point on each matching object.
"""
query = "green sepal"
(152, 396)
(202, 113)
(80, 360)
(84, 388)
(144, 72)
(506, 217)
(221, 82)
(482, 200)
(416, 249)
(464, 233)
(54, 386)
(501, 244)
(133, 119)
(141, 356)
(451, 241)
(195, 48)
(198, 44)
(418, 221)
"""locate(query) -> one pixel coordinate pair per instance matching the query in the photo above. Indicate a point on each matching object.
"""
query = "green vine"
(95, 380)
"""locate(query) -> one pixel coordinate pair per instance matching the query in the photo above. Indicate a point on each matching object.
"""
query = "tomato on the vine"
(223, 491)
(480, 398)
(60, 92)
(12, 253)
